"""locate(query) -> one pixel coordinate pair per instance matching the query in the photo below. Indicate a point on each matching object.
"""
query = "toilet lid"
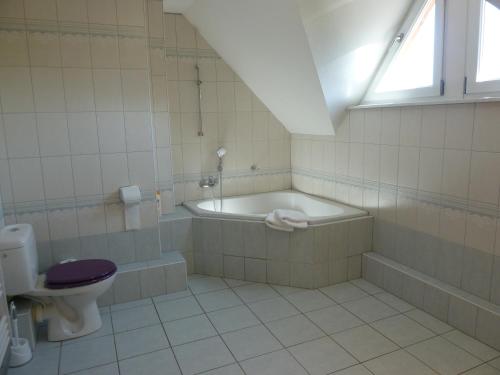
(79, 273)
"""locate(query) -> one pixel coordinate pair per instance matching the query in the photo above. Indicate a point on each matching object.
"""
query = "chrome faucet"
(210, 181)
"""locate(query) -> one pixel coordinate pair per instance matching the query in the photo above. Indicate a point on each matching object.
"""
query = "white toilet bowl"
(70, 312)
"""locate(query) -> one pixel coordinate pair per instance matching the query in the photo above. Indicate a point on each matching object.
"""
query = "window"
(412, 67)
(483, 62)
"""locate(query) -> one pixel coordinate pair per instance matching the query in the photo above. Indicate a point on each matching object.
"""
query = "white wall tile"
(104, 51)
(431, 169)
(16, 92)
(12, 9)
(433, 126)
(108, 90)
(79, 90)
(44, 49)
(75, 50)
(133, 52)
(138, 131)
(356, 125)
(102, 11)
(72, 10)
(373, 126)
(53, 134)
(480, 232)
(135, 85)
(63, 223)
(27, 180)
(83, 133)
(485, 177)
(111, 126)
(411, 125)
(40, 9)
(161, 122)
(21, 135)
(91, 220)
(391, 120)
(114, 172)
(459, 126)
(48, 89)
(456, 167)
(87, 174)
(389, 164)
(14, 47)
(487, 128)
(141, 169)
(130, 12)
(5, 182)
(409, 158)
(58, 177)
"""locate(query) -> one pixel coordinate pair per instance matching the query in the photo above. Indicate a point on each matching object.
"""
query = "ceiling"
(307, 60)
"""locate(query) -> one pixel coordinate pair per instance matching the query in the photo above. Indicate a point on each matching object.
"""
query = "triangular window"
(412, 66)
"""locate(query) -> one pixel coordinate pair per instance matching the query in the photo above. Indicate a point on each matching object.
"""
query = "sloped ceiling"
(307, 60)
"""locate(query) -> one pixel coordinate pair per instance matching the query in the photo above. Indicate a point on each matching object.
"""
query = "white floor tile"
(364, 343)
(226, 370)
(273, 309)
(354, 370)
(443, 356)
(367, 286)
(287, 290)
(428, 321)
(483, 370)
(251, 342)
(218, 300)
(178, 309)
(233, 283)
(277, 363)
(344, 292)
(172, 296)
(189, 329)
(294, 330)
(111, 369)
(322, 356)
(334, 319)
(395, 302)
(255, 292)
(495, 363)
(87, 354)
(43, 363)
(157, 363)
(398, 363)
(202, 355)
(233, 319)
(370, 309)
(478, 349)
(310, 300)
(128, 305)
(106, 329)
(137, 317)
(402, 330)
(140, 341)
(206, 284)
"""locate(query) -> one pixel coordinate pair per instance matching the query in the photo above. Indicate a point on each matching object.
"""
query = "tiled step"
(135, 281)
(464, 311)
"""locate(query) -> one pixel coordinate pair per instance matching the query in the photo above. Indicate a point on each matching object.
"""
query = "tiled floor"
(228, 327)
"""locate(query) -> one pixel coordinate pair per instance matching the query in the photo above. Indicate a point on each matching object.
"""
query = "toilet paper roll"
(131, 197)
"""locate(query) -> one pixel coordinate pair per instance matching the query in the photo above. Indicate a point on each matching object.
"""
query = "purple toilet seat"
(79, 273)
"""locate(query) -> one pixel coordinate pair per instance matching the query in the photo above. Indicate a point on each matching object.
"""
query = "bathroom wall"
(76, 124)
(231, 115)
(431, 177)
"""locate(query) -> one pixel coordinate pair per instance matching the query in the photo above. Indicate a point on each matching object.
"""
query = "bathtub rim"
(352, 212)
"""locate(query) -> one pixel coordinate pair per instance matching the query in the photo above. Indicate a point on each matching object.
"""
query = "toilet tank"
(19, 258)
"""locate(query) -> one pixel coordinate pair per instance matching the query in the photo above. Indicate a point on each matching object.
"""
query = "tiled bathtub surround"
(232, 117)
(431, 177)
(76, 124)
(310, 258)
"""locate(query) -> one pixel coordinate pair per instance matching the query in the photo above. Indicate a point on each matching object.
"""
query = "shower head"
(221, 151)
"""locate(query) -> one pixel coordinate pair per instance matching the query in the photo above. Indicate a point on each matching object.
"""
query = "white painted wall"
(307, 60)
(265, 44)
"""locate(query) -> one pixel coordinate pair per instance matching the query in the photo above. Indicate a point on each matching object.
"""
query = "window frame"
(402, 96)
(472, 87)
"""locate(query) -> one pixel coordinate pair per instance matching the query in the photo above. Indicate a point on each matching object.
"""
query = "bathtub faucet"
(210, 181)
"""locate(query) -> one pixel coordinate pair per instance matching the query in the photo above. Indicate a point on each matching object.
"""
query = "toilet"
(67, 292)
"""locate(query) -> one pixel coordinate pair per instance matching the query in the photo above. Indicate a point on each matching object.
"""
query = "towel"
(286, 220)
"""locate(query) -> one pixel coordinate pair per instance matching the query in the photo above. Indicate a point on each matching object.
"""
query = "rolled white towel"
(286, 220)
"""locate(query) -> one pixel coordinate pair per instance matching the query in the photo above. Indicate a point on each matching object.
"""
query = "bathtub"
(237, 244)
(257, 206)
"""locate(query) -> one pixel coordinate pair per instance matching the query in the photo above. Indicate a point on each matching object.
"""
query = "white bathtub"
(257, 206)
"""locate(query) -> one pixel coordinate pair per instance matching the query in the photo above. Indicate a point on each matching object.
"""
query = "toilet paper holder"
(130, 194)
